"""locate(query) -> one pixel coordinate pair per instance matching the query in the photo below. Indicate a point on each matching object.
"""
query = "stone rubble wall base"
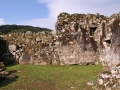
(108, 80)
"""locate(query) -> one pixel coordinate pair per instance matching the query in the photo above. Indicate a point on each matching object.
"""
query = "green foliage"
(18, 31)
(0, 32)
(5, 29)
(33, 77)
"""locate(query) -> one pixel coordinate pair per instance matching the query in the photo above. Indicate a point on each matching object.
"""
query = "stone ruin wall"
(26, 48)
(88, 38)
(80, 39)
(76, 31)
(110, 41)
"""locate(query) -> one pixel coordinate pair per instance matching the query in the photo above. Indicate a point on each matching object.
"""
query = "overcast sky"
(43, 13)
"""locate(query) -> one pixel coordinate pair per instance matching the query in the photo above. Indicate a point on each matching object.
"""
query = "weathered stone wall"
(28, 48)
(77, 31)
(88, 38)
(115, 41)
(110, 50)
(80, 39)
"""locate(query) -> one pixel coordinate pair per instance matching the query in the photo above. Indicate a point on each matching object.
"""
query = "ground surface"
(50, 77)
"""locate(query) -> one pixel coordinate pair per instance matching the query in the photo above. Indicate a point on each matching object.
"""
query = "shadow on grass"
(9, 79)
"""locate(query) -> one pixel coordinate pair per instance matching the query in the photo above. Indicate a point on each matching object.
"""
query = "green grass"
(51, 77)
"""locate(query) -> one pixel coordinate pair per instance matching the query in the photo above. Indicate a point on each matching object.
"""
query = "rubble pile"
(109, 80)
(6, 75)
(3, 73)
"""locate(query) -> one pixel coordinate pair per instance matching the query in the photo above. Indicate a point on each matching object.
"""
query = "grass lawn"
(32, 77)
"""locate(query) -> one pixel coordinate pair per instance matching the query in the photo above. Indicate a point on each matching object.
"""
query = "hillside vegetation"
(5, 29)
